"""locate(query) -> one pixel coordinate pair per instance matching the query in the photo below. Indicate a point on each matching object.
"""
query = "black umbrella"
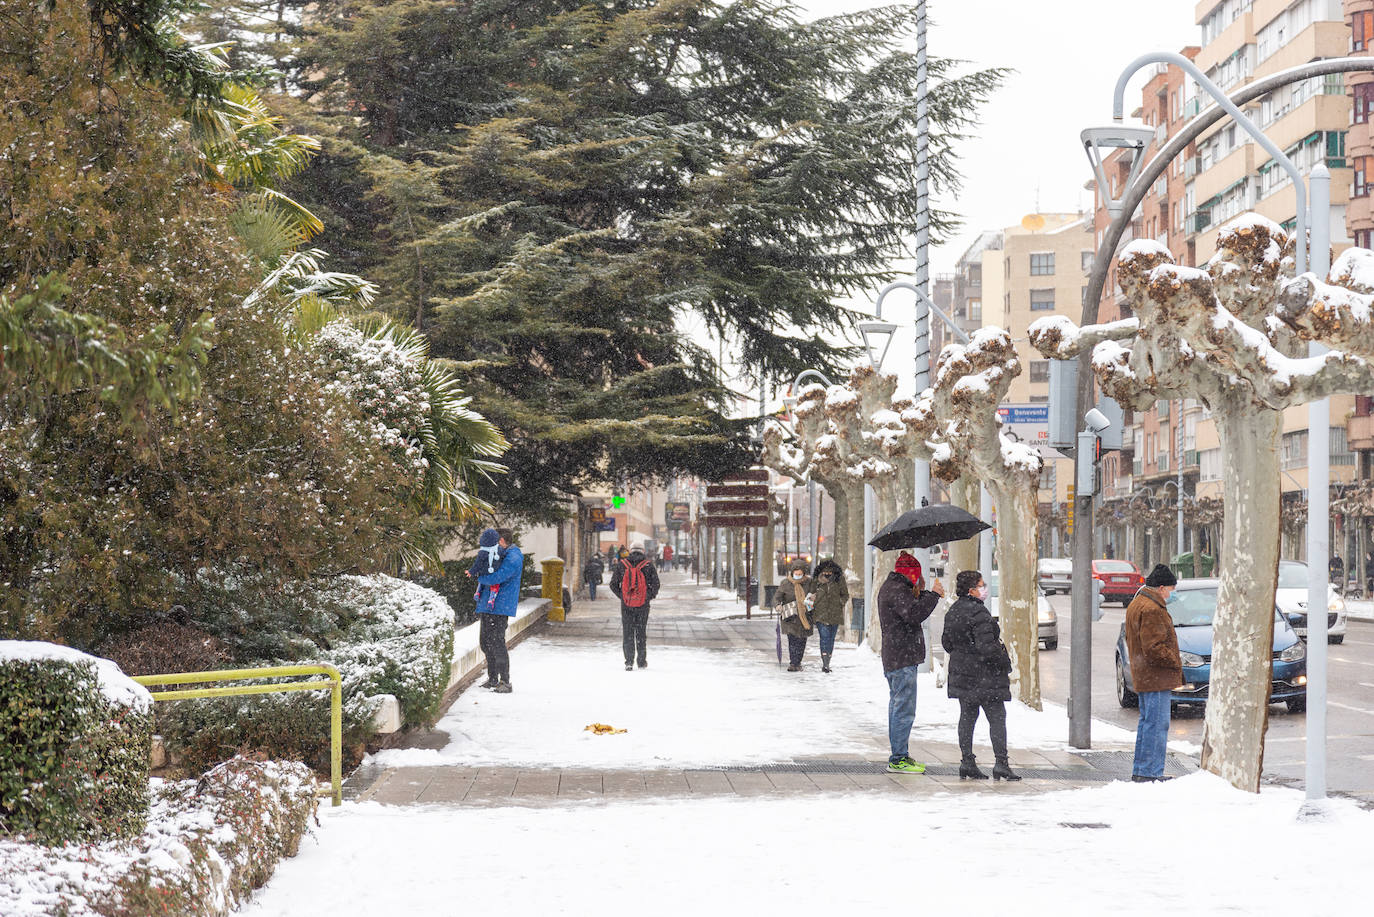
(928, 525)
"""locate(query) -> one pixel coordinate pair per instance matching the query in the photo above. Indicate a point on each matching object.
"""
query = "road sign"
(736, 507)
(736, 490)
(733, 522)
(1069, 504)
(750, 474)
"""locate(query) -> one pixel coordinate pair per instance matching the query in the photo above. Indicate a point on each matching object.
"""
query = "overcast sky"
(1067, 55)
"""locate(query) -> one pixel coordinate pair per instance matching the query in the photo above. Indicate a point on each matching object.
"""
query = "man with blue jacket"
(495, 615)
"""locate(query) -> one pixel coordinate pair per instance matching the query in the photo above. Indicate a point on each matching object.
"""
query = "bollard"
(552, 587)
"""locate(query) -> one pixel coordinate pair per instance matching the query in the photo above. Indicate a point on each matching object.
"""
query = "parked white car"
(1055, 574)
(1047, 620)
(1291, 597)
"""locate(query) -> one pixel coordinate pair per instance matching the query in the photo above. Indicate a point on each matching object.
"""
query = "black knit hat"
(1161, 576)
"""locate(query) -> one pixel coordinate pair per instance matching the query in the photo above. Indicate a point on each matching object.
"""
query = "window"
(1340, 453)
(1361, 31)
(1087, 259)
(1042, 263)
(1360, 188)
(1364, 238)
(1042, 300)
(975, 310)
(1039, 370)
(1364, 101)
(1209, 464)
(1293, 452)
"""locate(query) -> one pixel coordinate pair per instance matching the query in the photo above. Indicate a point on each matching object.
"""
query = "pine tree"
(550, 189)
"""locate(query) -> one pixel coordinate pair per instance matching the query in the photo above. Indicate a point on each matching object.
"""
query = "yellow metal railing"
(333, 683)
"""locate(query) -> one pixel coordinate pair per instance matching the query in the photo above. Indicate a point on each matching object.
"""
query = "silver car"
(1291, 597)
(1048, 621)
(1055, 574)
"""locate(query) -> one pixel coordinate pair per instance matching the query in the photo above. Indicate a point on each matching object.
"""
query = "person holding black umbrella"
(979, 674)
(902, 607)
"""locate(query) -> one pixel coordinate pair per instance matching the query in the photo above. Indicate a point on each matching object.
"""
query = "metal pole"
(985, 536)
(1178, 488)
(1318, 516)
(811, 520)
(922, 480)
(869, 608)
(1081, 620)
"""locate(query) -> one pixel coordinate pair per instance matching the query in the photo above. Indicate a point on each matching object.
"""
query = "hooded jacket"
(979, 667)
(507, 577)
(636, 557)
(900, 613)
(831, 596)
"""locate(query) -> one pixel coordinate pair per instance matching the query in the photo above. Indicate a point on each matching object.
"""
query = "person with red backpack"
(635, 583)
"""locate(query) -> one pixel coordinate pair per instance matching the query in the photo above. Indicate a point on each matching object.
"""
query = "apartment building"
(1223, 174)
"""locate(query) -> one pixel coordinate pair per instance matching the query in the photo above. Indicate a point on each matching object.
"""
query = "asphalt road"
(1349, 718)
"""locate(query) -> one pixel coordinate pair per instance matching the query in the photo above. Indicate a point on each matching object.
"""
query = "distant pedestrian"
(1336, 566)
(667, 557)
(591, 573)
(902, 607)
(979, 674)
(498, 594)
(829, 593)
(794, 617)
(1156, 669)
(635, 582)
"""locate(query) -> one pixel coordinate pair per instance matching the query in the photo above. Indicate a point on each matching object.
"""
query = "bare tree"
(1206, 334)
(971, 380)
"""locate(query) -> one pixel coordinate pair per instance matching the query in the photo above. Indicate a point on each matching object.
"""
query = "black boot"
(491, 682)
(1002, 771)
(968, 770)
(825, 662)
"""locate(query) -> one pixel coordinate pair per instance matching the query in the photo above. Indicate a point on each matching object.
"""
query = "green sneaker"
(905, 766)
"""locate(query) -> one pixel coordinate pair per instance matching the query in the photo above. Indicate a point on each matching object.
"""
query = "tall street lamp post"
(1122, 209)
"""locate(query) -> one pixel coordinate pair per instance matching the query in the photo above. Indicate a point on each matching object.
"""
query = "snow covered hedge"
(386, 635)
(75, 735)
(207, 844)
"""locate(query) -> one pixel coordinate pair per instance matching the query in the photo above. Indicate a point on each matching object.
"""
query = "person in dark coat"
(979, 674)
(591, 573)
(828, 595)
(790, 603)
(902, 607)
(1156, 669)
(634, 618)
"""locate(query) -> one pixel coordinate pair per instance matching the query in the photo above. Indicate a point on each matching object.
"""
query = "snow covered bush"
(207, 845)
(386, 636)
(75, 736)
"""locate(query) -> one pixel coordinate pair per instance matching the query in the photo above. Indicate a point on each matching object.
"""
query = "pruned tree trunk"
(966, 493)
(1243, 632)
(1017, 522)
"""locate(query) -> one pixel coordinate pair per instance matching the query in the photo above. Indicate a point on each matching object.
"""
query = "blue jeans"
(1151, 734)
(827, 634)
(591, 591)
(901, 710)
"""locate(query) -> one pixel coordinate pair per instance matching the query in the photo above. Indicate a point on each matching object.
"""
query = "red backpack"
(634, 588)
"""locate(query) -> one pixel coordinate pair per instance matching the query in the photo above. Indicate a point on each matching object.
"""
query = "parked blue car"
(1193, 605)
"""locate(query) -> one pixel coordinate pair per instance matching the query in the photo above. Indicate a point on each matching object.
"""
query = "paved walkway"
(677, 621)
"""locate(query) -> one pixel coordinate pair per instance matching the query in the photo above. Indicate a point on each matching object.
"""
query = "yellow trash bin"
(553, 586)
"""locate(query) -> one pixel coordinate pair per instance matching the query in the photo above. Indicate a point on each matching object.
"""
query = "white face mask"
(980, 593)
(798, 575)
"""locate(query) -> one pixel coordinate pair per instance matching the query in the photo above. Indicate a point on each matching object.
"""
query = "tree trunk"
(1017, 525)
(1243, 632)
(839, 540)
(963, 555)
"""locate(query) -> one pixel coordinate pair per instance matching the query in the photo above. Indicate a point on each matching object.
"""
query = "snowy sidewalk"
(714, 714)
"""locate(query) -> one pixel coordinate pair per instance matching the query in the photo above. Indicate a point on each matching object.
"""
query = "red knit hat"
(909, 567)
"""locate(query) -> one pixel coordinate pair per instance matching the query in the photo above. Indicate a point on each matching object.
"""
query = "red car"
(1120, 580)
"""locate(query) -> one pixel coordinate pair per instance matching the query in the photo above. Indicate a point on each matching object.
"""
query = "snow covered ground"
(697, 707)
(1191, 846)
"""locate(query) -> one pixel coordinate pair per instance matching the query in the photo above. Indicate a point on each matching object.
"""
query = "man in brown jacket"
(1155, 670)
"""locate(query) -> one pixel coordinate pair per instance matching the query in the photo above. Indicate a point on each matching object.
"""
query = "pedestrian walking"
(794, 617)
(498, 594)
(1156, 669)
(667, 557)
(979, 675)
(635, 582)
(828, 595)
(902, 607)
(592, 571)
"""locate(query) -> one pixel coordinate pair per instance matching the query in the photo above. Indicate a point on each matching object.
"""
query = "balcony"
(1359, 433)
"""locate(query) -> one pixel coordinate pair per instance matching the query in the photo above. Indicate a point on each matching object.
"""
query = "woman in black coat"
(979, 670)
